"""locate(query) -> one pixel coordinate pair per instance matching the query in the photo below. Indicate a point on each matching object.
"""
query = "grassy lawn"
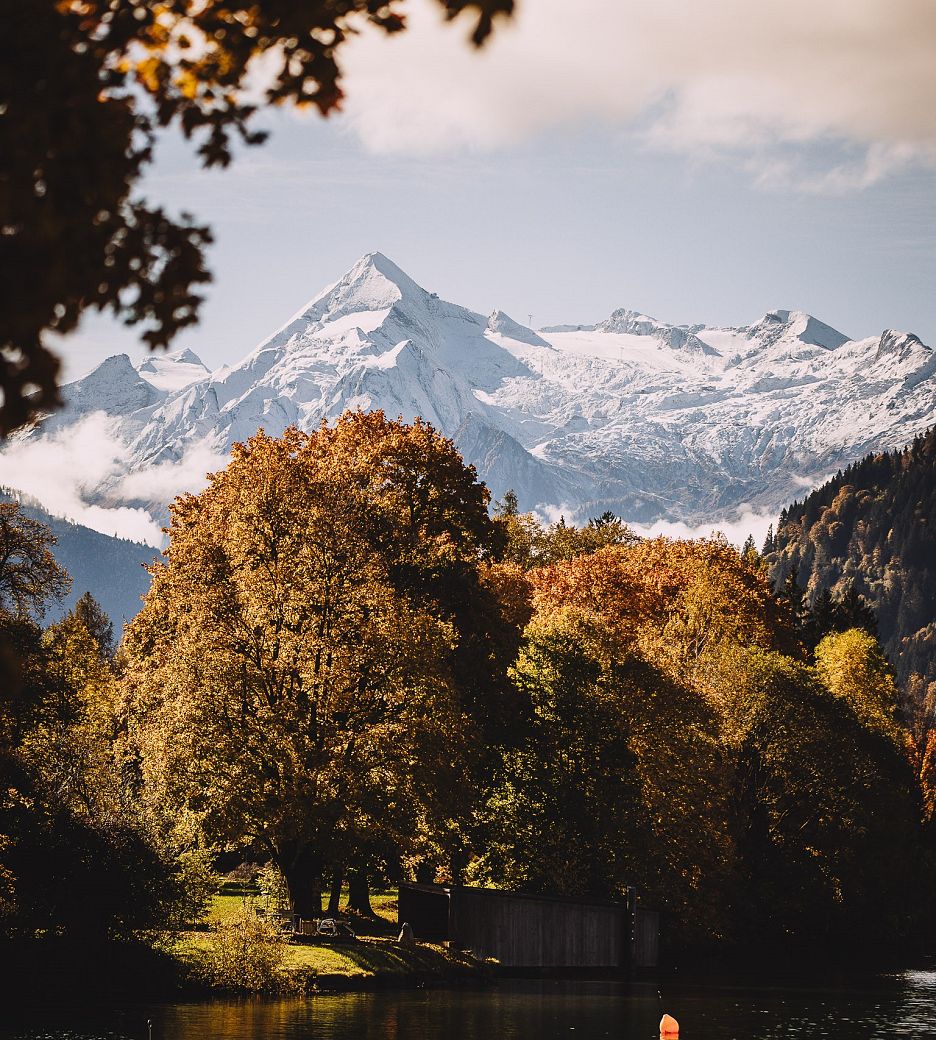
(384, 905)
(371, 959)
(374, 958)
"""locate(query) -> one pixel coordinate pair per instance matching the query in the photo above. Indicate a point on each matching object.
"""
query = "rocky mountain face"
(650, 420)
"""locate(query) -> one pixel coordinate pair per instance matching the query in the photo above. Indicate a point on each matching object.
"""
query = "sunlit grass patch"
(321, 964)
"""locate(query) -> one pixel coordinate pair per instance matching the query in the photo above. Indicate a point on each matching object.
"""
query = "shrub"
(246, 954)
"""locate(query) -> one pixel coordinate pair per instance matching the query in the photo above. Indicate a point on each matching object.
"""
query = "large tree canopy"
(673, 744)
(84, 85)
(292, 668)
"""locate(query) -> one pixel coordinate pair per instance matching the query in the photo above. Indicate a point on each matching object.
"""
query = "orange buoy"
(669, 1026)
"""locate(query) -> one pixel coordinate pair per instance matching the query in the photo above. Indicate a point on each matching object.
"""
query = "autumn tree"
(73, 857)
(29, 575)
(678, 601)
(919, 716)
(84, 87)
(826, 808)
(852, 665)
(292, 670)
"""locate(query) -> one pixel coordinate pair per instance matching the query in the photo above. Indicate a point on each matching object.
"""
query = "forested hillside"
(111, 569)
(870, 530)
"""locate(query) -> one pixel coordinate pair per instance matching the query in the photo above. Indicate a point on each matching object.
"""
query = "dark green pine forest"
(867, 537)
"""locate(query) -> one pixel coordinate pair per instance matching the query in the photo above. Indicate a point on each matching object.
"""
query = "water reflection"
(512, 1013)
(860, 1009)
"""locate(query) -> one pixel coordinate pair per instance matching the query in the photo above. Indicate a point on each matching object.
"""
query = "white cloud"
(875, 163)
(163, 481)
(735, 528)
(82, 474)
(61, 469)
(699, 76)
(810, 481)
(546, 513)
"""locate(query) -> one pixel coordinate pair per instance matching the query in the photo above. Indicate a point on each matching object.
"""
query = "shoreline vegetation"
(164, 965)
(373, 959)
(172, 966)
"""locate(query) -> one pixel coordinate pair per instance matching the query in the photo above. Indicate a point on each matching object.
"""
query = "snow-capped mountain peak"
(653, 421)
(374, 283)
(365, 293)
(114, 387)
(796, 325)
(173, 371)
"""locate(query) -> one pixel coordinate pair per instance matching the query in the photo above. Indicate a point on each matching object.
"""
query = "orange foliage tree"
(679, 741)
(678, 601)
(292, 675)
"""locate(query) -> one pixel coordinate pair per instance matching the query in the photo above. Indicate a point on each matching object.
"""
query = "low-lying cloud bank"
(705, 77)
(735, 528)
(82, 473)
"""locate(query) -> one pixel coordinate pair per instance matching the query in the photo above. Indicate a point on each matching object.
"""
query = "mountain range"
(650, 420)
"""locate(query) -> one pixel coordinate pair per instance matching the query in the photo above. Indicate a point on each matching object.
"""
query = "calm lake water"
(897, 1005)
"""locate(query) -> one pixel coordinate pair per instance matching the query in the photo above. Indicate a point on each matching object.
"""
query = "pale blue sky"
(570, 212)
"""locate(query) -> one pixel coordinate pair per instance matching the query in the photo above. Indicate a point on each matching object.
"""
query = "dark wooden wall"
(522, 931)
(426, 909)
(646, 938)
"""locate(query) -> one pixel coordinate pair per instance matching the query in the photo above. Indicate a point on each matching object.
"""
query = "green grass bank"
(373, 960)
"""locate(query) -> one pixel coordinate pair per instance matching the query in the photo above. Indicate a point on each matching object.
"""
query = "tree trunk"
(359, 892)
(303, 873)
(334, 899)
(457, 863)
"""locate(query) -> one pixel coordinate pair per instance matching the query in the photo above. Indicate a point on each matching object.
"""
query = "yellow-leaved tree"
(290, 677)
(852, 666)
